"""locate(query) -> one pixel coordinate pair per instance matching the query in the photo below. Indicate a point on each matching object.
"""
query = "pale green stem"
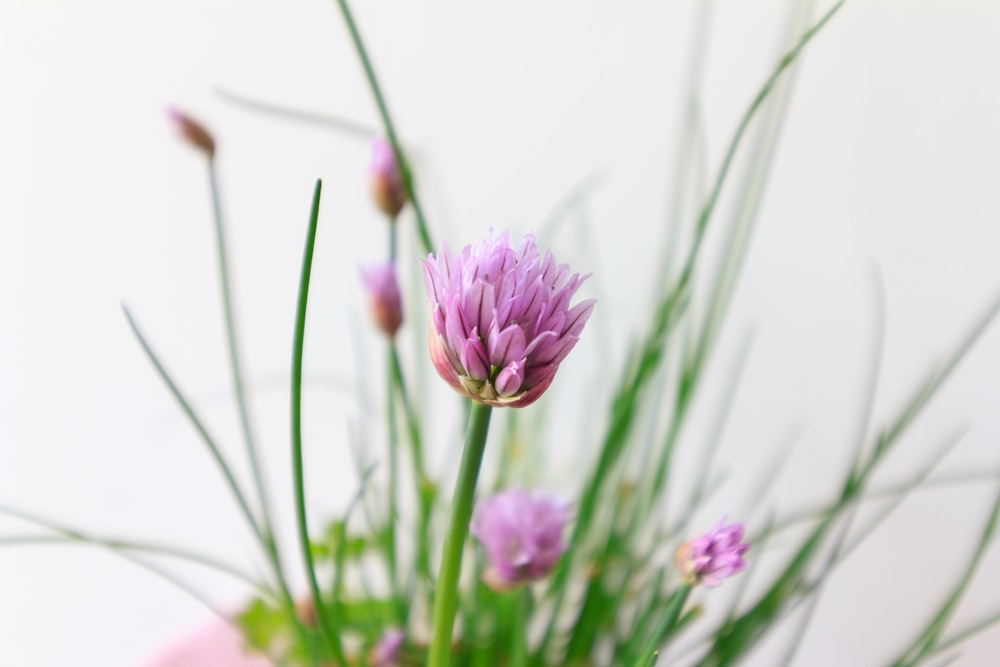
(446, 591)
(236, 370)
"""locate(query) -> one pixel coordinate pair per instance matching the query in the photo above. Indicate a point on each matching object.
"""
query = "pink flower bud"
(522, 536)
(385, 653)
(383, 297)
(715, 556)
(387, 187)
(192, 131)
(501, 321)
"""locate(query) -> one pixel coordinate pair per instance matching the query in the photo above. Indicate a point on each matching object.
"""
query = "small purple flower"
(715, 556)
(387, 186)
(385, 652)
(522, 535)
(383, 297)
(501, 319)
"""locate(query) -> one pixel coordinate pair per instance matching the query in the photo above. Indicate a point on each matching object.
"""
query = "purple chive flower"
(192, 131)
(501, 319)
(385, 652)
(522, 535)
(387, 186)
(383, 297)
(715, 556)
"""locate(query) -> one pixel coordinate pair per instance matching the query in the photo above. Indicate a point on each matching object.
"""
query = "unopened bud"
(388, 190)
(383, 297)
(192, 131)
(714, 556)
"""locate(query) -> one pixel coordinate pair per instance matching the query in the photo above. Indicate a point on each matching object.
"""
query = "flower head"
(715, 556)
(387, 186)
(385, 653)
(192, 131)
(522, 535)
(383, 297)
(501, 319)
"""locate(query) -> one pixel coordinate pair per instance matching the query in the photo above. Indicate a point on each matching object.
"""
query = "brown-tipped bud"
(388, 190)
(305, 612)
(192, 131)
(383, 297)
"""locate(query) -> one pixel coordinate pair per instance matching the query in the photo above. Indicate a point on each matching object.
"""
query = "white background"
(888, 158)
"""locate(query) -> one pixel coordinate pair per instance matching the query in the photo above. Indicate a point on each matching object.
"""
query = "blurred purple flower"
(522, 535)
(385, 652)
(715, 556)
(383, 297)
(387, 186)
(501, 319)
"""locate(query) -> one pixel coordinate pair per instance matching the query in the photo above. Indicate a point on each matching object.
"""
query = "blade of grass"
(209, 441)
(927, 640)
(332, 122)
(672, 304)
(66, 536)
(326, 626)
(966, 633)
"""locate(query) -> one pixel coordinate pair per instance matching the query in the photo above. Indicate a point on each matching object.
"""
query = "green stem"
(423, 485)
(188, 409)
(391, 542)
(236, 369)
(519, 629)
(333, 122)
(67, 534)
(446, 593)
(670, 618)
(390, 130)
(326, 626)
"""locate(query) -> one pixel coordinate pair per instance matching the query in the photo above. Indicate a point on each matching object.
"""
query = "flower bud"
(385, 652)
(522, 535)
(192, 131)
(387, 187)
(384, 299)
(715, 556)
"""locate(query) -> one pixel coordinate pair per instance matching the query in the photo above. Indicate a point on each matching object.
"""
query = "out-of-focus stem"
(390, 129)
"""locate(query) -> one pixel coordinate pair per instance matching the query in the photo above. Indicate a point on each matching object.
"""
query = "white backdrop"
(888, 158)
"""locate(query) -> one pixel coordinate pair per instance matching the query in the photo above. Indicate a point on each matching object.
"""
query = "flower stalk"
(446, 591)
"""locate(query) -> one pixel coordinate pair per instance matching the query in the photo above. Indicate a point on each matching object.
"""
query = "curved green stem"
(326, 626)
(64, 534)
(188, 409)
(446, 592)
(390, 129)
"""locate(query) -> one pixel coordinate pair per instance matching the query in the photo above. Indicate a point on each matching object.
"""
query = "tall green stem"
(236, 370)
(270, 543)
(446, 591)
(326, 625)
(390, 129)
